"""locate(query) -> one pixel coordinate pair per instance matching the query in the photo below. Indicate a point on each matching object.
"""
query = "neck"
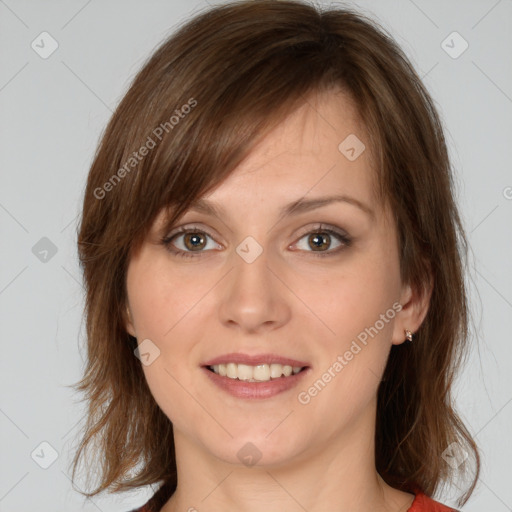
(338, 475)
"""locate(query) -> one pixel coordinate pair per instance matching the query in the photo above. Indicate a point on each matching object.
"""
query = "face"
(316, 287)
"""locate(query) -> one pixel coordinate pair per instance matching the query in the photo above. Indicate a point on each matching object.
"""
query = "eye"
(192, 241)
(320, 241)
(187, 241)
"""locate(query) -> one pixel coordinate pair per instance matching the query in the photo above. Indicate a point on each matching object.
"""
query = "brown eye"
(194, 241)
(319, 241)
(187, 241)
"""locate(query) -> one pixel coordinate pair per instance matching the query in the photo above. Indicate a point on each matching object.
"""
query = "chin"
(258, 449)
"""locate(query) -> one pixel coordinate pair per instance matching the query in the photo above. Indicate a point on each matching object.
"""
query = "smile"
(255, 373)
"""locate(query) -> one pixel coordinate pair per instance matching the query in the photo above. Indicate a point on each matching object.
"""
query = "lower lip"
(252, 390)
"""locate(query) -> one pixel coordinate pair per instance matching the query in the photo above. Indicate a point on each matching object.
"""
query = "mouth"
(255, 373)
(255, 376)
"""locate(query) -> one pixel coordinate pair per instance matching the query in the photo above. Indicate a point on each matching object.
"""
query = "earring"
(408, 335)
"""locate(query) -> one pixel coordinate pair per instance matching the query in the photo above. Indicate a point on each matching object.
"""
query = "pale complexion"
(290, 302)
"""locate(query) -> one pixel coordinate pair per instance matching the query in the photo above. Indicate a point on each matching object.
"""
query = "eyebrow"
(294, 208)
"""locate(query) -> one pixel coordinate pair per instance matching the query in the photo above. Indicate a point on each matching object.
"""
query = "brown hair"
(205, 97)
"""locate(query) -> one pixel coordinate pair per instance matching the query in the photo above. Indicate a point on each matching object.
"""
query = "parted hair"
(200, 103)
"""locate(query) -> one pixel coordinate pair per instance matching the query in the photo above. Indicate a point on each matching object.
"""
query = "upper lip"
(254, 360)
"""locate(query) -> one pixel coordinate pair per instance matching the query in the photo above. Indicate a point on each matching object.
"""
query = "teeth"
(258, 373)
(276, 370)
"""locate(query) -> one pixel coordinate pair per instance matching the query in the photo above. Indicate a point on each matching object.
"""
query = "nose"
(254, 299)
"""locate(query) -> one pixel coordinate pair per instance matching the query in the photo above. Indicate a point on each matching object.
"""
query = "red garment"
(421, 503)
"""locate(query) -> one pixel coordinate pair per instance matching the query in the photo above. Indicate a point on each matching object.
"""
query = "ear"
(415, 303)
(128, 321)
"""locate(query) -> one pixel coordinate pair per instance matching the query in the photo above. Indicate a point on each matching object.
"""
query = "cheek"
(351, 298)
(159, 311)
(163, 305)
(350, 362)
(160, 300)
(356, 304)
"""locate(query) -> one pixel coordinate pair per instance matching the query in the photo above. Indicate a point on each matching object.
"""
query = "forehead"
(303, 159)
(321, 147)
(322, 121)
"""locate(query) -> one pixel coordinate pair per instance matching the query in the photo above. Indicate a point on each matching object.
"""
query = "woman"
(273, 261)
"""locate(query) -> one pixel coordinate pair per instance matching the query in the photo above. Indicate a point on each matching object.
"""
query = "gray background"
(53, 111)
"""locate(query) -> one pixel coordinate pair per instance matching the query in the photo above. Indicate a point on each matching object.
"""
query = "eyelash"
(342, 237)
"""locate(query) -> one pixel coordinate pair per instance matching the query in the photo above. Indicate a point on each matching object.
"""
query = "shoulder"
(159, 499)
(144, 508)
(422, 503)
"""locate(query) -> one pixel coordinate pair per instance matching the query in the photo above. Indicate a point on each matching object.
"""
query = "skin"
(317, 456)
